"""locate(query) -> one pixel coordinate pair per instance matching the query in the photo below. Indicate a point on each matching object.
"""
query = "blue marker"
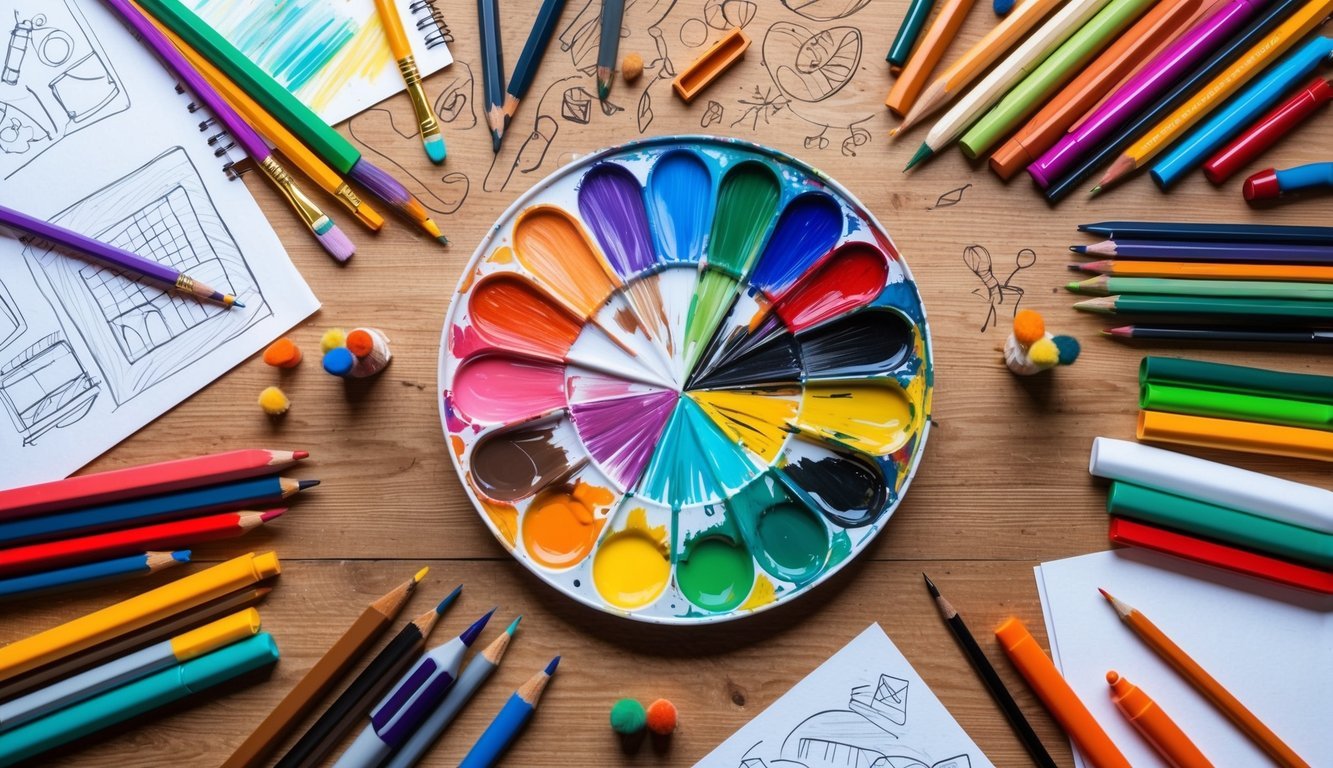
(513, 716)
(1270, 183)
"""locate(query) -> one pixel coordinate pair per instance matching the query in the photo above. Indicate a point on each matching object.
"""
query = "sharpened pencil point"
(304, 484)
(1073, 287)
(421, 574)
(298, 455)
(469, 635)
(448, 600)
(272, 513)
(550, 668)
(442, 240)
(930, 585)
(237, 303)
(1079, 248)
(603, 89)
(922, 152)
(1095, 191)
(513, 625)
(182, 556)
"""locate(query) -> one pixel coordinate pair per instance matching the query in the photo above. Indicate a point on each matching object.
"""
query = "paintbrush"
(407, 66)
(329, 235)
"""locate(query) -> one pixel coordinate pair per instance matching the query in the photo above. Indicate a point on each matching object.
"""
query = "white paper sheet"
(865, 706)
(94, 137)
(332, 54)
(1271, 646)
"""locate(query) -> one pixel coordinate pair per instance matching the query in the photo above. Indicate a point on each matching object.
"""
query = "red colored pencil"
(100, 546)
(1268, 130)
(143, 480)
(1131, 533)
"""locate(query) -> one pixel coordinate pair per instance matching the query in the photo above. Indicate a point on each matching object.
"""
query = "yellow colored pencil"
(407, 66)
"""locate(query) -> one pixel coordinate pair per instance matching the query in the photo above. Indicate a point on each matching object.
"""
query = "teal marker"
(913, 23)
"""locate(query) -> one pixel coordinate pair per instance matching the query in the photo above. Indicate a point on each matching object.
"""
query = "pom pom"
(339, 361)
(662, 717)
(1028, 327)
(1002, 7)
(1044, 353)
(332, 339)
(283, 353)
(274, 401)
(1069, 348)
(628, 717)
(360, 342)
(631, 67)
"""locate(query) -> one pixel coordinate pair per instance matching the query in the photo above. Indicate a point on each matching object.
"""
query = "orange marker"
(1151, 721)
(1060, 700)
(928, 53)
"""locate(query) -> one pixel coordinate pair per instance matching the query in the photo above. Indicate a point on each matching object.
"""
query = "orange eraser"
(710, 66)
(283, 353)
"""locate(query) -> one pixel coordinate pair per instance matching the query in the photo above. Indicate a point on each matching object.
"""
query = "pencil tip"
(448, 600)
(298, 455)
(930, 585)
(470, 634)
(419, 575)
(513, 625)
(1105, 594)
(1073, 287)
(442, 240)
(922, 152)
(603, 89)
(550, 668)
(301, 485)
(272, 513)
(237, 303)
(1095, 190)
(1079, 248)
(182, 556)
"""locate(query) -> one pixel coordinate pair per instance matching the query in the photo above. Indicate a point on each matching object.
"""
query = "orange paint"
(459, 446)
(562, 524)
(551, 245)
(502, 255)
(505, 519)
(512, 313)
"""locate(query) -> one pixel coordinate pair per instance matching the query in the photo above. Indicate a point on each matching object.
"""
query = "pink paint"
(622, 433)
(464, 340)
(849, 278)
(503, 389)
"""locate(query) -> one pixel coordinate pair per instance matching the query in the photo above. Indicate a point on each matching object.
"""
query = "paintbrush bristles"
(387, 188)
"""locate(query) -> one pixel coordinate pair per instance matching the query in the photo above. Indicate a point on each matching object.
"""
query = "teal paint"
(292, 41)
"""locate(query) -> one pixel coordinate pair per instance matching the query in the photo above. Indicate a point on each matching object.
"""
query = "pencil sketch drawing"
(978, 260)
(45, 387)
(825, 10)
(712, 114)
(55, 79)
(950, 199)
(12, 323)
(724, 15)
(811, 69)
(138, 334)
(454, 104)
(693, 33)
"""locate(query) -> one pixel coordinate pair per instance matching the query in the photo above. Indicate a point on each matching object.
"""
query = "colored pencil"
(330, 237)
(1269, 129)
(1271, 183)
(286, 142)
(922, 62)
(1181, 250)
(177, 533)
(1231, 435)
(1156, 727)
(1160, 25)
(504, 729)
(1208, 271)
(149, 693)
(125, 669)
(492, 68)
(1233, 116)
(1208, 306)
(1173, 126)
(1245, 406)
(355, 641)
(1205, 684)
(92, 573)
(225, 497)
(1180, 87)
(987, 673)
(1072, 15)
(1232, 233)
(143, 480)
(904, 41)
(1106, 286)
(362, 693)
(323, 140)
(960, 74)
(135, 613)
(116, 258)
(530, 58)
(470, 680)
(608, 46)
(1135, 534)
(431, 139)
(412, 697)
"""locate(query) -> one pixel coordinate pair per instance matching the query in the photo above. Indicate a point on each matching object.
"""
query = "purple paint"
(809, 228)
(611, 202)
(622, 433)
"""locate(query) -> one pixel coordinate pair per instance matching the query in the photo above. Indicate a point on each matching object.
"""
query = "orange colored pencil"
(1206, 271)
(928, 53)
(1205, 684)
(1163, 22)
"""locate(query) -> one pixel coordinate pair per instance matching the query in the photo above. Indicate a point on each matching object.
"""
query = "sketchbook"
(864, 707)
(331, 54)
(1268, 644)
(88, 355)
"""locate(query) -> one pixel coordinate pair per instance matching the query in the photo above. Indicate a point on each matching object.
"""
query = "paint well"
(556, 250)
(680, 204)
(867, 343)
(500, 388)
(852, 277)
(631, 568)
(872, 416)
(611, 202)
(677, 286)
(747, 311)
(847, 488)
(795, 541)
(773, 362)
(747, 198)
(517, 462)
(620, 433)
(809, 227)
(757, 419)
(561, 525)
(584, 385)
(715, 573)
(712, 300)
(512, 313)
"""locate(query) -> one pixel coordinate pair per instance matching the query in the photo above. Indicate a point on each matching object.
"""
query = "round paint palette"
(686, 379)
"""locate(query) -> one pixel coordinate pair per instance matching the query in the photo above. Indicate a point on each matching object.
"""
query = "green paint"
(746, 203)
(712, 300)
(715, 574)
(795, 540)
(840, 549)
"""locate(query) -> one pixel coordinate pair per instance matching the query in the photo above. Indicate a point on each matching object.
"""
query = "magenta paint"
(502, 389)
(611, 202)
(622, 433)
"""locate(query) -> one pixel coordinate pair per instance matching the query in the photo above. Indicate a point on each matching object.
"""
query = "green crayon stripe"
(1235, 405)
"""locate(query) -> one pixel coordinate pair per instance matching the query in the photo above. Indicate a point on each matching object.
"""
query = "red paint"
(512, 313)
(850, 277)
(1267, 130)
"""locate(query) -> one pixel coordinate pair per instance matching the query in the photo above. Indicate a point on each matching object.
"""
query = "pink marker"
(1139, 93)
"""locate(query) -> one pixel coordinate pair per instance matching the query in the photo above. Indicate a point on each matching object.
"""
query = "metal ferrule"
(411, 76)
(308, 211)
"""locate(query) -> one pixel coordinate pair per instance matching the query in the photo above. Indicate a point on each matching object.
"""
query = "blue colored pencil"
(515, 714)
(492, 68)
(92, 573)
(225, 497)
(608, 47)
(526, 68)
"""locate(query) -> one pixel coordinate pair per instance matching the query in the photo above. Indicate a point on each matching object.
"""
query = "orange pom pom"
(1028, 327)
(662, 717)
(360, 342)
(283, 353)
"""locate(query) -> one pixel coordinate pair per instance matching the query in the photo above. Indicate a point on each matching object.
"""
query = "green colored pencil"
(1208, 306)
(1236, 405)
(1201, 374)
(1106, 285)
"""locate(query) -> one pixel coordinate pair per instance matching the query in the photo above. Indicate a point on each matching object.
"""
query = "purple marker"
(1139, 93)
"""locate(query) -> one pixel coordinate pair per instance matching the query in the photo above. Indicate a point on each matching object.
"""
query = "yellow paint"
(562, 524)
(363, 58)
(874, 416)
(556, 250)
(757, 419)
(504, 517)
(631, 568)
(762, 594)
(503, 255)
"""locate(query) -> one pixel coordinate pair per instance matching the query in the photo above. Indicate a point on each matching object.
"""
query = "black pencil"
(492, 68)
(988, 676)
(1184, 333)
(1227, 233)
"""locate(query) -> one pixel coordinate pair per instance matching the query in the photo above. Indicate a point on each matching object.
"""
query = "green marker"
(1105, 285)
(1058, 69)
(1236, 405)
(1200, 374)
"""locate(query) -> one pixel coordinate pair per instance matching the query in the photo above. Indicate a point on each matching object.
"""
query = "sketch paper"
(87, 354)
(332, 54)
(1271, 646)
(866, 707)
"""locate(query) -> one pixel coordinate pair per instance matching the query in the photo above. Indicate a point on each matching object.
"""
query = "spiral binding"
(434, 29)
(219, 140)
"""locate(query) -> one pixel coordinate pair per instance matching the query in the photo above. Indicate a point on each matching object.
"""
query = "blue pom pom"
(1069, 348)
(338, 361)
(1003, 7)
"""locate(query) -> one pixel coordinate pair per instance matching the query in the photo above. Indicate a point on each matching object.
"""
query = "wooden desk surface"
(1003, 486)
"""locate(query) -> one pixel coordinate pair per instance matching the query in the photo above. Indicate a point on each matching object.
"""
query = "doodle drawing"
(12, 324)
(45, 387)
(56, 79)
(950, 199)
(978, 260)
(811, 69)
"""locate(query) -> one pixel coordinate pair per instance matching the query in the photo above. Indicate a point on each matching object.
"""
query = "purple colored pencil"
(114, 257)
(1182, 250)
(1139, 92)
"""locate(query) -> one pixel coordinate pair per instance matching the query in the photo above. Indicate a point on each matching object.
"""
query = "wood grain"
(1003, 485)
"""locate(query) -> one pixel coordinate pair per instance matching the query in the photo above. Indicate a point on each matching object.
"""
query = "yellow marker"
(407, 66)
(210, 637)
(135, 613)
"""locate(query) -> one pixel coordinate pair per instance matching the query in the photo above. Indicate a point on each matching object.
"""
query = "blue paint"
(808, 229)
(727, 462)
(680, 204)
(694, 462)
